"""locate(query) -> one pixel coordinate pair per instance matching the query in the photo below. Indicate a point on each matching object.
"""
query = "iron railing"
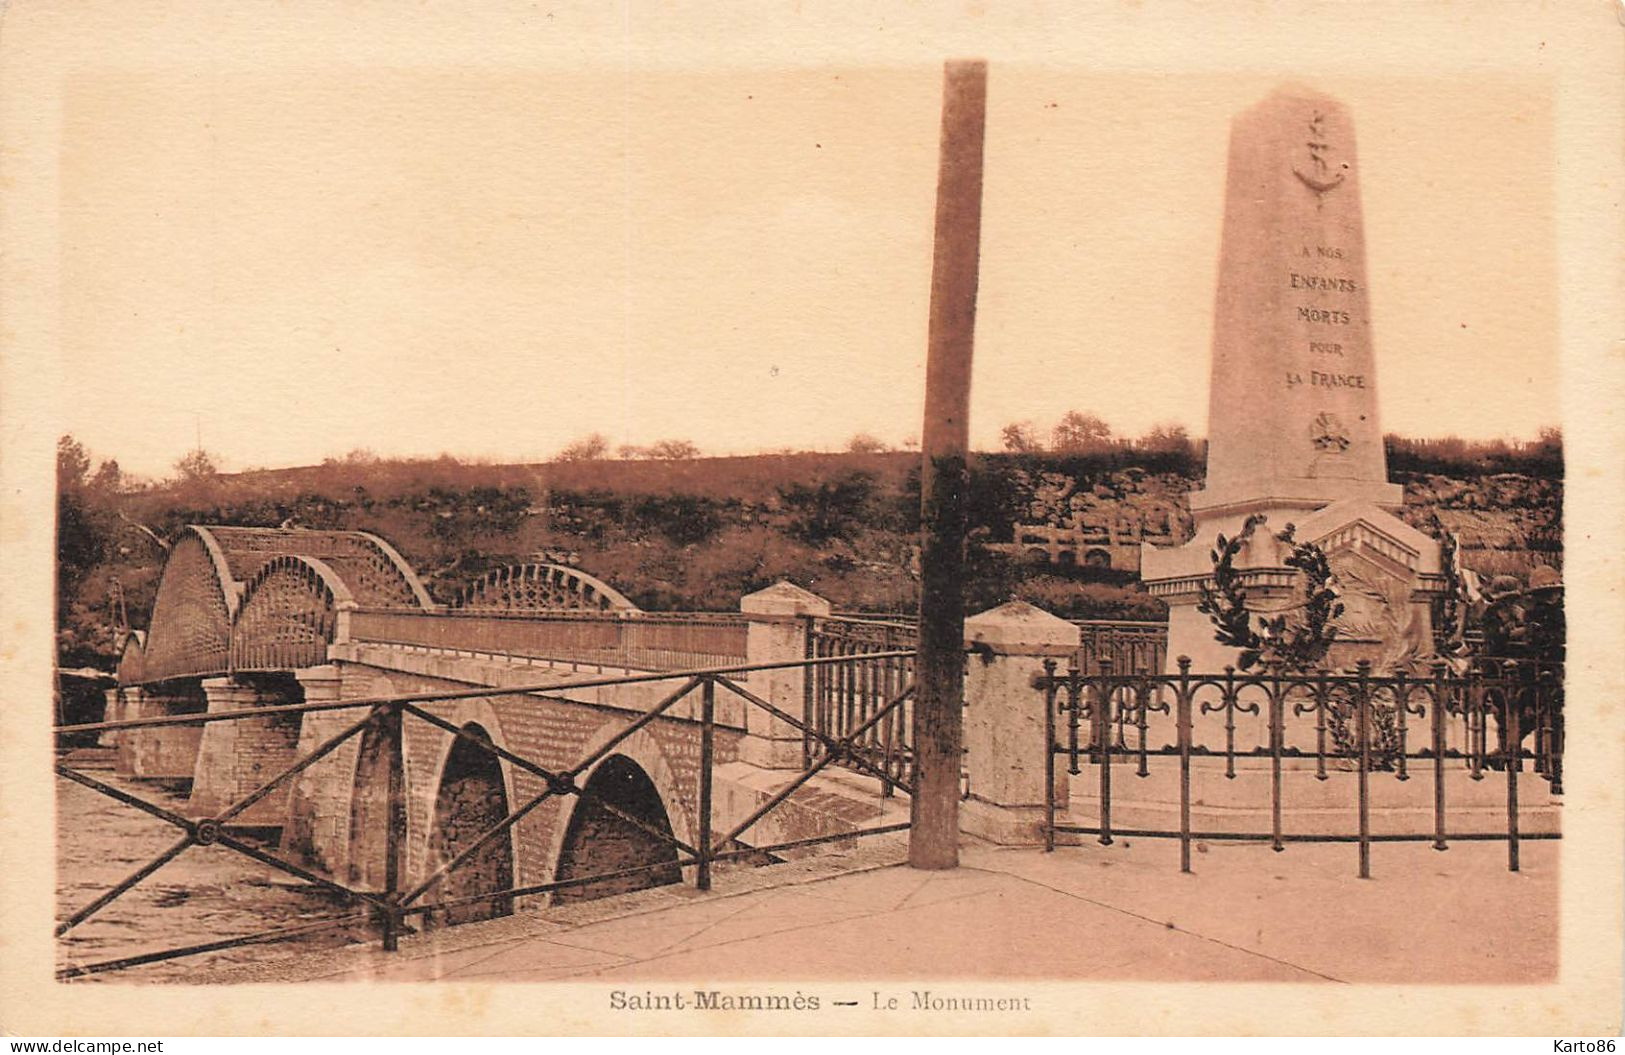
(622, 640)
(1370, 725)
(1132, 645)
(839, 698)
(389, 908)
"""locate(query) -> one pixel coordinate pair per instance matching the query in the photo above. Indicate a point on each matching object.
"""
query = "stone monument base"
(1387, 574)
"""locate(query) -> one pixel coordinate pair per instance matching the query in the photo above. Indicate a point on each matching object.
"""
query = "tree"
(196, 464)
(674, 450)
(1168, 437)
(109, 478)
(1078, 433)
(590, 448)
(72, 463)
(1020, 438)
(863, 443)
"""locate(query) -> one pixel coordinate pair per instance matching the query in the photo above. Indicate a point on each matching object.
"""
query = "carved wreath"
(1294, 638)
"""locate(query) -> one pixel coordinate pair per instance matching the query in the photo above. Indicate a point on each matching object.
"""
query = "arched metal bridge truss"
(540, 587)
(288, 615)
(235, 598)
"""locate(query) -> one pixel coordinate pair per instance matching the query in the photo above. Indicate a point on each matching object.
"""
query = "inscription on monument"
(1331, 283)
(1324, 283)
(1324, 316)
(1317, 379)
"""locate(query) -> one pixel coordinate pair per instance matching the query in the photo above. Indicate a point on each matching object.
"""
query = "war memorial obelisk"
(1293, 429)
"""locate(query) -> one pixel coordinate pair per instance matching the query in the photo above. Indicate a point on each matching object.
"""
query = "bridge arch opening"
(598, 841)
(470, 802)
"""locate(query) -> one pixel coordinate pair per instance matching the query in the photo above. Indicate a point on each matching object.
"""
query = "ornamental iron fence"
(1350, 721)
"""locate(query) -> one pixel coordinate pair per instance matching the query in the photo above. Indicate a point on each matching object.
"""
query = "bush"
(834, 509)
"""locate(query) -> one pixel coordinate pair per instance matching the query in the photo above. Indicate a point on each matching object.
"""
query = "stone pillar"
(1004, 720)
(124, 740)
(317, 832)
(237, 756)
(166, 752)
(781, 616)
(112, 711)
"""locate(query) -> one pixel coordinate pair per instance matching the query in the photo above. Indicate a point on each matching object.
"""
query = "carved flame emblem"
(1318, 174)
(1328, 433)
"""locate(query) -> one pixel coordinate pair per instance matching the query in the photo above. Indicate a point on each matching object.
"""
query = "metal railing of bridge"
(839, 698)
(388, 909)
(617, 639)
(1359, 722)
(1132, 645)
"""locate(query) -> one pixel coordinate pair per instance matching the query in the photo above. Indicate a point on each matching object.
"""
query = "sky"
(289, 264)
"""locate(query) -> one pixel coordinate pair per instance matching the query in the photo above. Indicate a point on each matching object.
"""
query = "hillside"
(696, 534)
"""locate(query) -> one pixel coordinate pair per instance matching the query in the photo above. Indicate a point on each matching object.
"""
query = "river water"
(206, 894)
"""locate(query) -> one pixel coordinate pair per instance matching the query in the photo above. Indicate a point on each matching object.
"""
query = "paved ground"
(1085, 912)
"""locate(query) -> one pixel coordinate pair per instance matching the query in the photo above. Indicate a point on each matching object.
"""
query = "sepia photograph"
(757, 520)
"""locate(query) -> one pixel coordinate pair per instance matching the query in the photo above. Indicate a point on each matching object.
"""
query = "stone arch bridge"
(315, 628)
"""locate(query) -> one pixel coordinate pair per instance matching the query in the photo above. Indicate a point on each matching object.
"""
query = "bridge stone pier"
(164, 754)
(235, 758)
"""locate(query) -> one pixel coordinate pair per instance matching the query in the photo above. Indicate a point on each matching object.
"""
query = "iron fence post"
(1049, 756)
(1322, 701)
(1142, 699)
(708, 691)
(1182, 725)
(1103, 726)
(1229, 705)
(1473, 715)
(1362, 710)
(1277, 732)
(809, 676)
(1402, 699)
(1439, 692)
(1511, 757)
(1554, 705)
(1074, 699)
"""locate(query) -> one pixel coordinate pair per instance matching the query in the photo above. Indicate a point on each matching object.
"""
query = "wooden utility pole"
(940, 666)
